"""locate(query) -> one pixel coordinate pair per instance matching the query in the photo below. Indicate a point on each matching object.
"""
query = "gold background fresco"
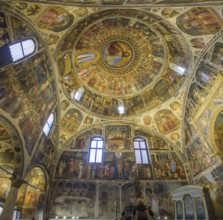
(112, 51)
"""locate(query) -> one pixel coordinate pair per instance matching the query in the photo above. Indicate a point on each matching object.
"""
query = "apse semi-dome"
(127, 56)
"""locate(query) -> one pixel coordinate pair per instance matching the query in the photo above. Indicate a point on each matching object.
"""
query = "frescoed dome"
(127, 58)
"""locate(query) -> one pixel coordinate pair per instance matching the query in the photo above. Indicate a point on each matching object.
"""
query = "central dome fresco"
(123, 55)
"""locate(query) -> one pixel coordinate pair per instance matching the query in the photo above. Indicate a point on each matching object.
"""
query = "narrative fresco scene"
(111, 109)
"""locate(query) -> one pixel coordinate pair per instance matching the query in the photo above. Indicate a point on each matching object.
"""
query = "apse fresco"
(200, 157)
(115, 57)
(74, 199)
(117, 137)
(166, 121)
(199, 21)
(117, 166)
(111, 66)
(218, 131)
(217, 56)
(55, 19)
(167, 166)
(29, 194)
(71, 120)
(82, 141)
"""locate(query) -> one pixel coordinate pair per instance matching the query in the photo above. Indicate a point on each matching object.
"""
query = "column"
(97, 203)
(7, 213)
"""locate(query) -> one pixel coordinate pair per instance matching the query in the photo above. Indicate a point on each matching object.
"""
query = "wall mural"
(166, 121)
(82, 141)
(44, 154)
(218, 131)
(109, 200)
(7, 161)
(35, 78)
(117, 138)
(118, 162)
(204, 79)
(4, 30)
(28, 195)
(154, 142)
(199, 21)
(29, 9)
(10, 157)
(197, 43)
(55, 19)
(170, 12)
(189, 132)
(200, 157)
(74, 199)
(167, 166)
(217, 56)
(116, 166)
(71, 120)
(21, 30)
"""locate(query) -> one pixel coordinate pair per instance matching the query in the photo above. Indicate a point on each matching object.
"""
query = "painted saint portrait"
(55, 19)
(117, 54)
(166, 121)
(197, 43)
(199, 21)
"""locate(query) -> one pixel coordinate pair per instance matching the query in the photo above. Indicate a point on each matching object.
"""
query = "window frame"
(141, 151)
(50, 126)
(22, 48)
(91, 149)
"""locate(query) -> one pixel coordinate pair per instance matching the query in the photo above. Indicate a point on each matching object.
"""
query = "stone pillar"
(97, 203)
(8, 209)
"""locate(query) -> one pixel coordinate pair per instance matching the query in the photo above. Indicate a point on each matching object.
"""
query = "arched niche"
(31, 194)
(11, 156)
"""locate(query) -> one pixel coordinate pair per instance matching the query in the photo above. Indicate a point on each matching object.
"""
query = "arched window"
(178, 69)
(188, 207)
(96, 150)
(22, 49)
(141, 151)
(48, 125)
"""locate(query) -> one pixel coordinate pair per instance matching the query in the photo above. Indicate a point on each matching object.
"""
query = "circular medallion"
(117, 54)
